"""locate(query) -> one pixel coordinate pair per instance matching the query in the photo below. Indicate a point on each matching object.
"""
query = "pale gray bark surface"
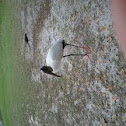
(91, 92)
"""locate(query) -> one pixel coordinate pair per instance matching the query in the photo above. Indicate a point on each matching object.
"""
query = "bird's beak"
(55, 75)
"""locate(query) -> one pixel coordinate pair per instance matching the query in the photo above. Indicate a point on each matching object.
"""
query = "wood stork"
(55, 55)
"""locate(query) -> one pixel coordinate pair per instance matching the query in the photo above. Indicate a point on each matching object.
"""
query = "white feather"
(55, 56)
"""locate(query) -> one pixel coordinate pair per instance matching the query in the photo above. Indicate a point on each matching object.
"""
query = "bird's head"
(49, 70)
(46, 69)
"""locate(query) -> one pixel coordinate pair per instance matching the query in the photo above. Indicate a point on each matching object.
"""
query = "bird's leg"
(75, 55)
(84, 47)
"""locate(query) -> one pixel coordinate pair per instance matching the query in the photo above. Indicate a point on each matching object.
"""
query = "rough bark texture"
(92, 92)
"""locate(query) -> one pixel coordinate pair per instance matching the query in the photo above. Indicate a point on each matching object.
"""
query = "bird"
(55, 55)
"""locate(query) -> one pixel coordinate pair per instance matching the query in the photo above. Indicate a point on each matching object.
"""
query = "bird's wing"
(56, 51)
